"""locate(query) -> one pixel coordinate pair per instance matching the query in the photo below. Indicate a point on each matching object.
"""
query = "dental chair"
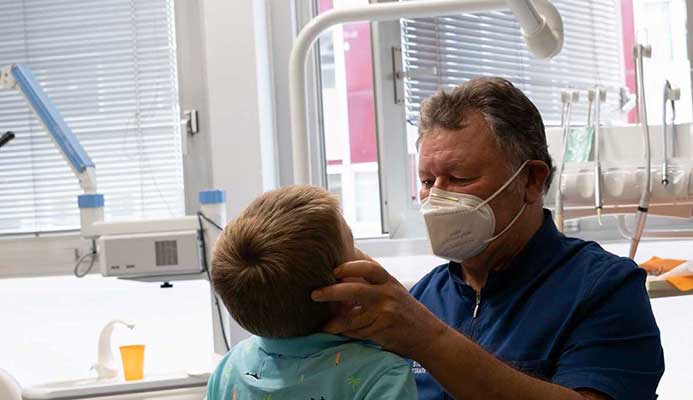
(9, 387)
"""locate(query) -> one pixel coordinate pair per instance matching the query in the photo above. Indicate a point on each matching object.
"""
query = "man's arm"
(387, 314)
(467, 371)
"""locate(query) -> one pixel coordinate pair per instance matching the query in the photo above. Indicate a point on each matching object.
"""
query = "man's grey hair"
(511, 116)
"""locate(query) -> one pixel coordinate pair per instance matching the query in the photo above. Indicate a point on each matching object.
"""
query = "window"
(349, 121)
(441, 53)
(110, 68)
(662, 23)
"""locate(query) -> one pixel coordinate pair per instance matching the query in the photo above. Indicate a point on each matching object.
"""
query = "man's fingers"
(349, 319)
(368, 332)
(359, 293)
(353, 319)
(368, 270)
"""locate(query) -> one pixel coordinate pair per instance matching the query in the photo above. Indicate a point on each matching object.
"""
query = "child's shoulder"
(377, 373)
(231, 357)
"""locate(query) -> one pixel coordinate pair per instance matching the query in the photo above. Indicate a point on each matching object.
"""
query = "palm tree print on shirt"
(354, 382)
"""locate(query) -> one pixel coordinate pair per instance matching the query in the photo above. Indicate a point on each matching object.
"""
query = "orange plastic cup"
(133, 361)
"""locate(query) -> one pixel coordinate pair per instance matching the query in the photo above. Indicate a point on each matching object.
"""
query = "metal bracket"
(397, 74)
(7, 81)
(191, 121)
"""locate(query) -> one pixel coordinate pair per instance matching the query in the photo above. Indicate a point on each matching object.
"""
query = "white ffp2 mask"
(460, 226)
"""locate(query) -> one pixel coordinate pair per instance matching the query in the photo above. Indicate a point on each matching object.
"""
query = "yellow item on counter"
(133, 361)
(658, 266)
(681, 283)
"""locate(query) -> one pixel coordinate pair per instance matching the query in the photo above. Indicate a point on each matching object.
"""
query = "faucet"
(105, 365)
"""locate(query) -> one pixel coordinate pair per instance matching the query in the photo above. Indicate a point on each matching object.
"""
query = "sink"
(94, 387)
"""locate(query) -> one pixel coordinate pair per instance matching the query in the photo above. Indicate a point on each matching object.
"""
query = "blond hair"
(267, 261)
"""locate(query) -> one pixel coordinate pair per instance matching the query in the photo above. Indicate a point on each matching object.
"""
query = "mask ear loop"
(499, 191)
(505, 185)
(509, 225)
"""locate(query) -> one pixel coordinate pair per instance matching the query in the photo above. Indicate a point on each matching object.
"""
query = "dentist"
(520, 311)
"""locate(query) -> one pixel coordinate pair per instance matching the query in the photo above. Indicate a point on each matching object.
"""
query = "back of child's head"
(267, 261)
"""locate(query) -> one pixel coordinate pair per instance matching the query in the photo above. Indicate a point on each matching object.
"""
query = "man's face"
(469, 161)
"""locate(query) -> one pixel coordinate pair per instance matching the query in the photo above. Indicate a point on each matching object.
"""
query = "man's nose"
(441, 182)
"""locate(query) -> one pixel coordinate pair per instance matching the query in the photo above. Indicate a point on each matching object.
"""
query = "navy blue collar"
(540, 253)
(302, 346)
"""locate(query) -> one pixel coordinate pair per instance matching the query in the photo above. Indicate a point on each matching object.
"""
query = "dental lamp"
(542, 29)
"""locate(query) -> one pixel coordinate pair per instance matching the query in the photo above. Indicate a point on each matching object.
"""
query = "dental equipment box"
(151, 254)
(146, 250)
(623, 172)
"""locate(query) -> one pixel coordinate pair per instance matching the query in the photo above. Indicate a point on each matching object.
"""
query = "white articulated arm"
(20, 77)
(541, 25)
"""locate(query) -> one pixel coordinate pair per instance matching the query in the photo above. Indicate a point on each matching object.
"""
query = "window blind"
(443, 52)
(110, 68)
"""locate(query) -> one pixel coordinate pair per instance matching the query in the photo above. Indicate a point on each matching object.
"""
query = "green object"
(579, 144)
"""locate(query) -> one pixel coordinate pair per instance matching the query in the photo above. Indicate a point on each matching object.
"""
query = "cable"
(206, 218)
(92, 255)
(205, 267)
(6, 137)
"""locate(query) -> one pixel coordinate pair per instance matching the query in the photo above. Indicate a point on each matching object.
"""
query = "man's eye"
(427, 183)
(460, 180)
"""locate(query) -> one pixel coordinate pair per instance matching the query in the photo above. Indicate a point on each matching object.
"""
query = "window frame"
(302, 12)
(400, 217)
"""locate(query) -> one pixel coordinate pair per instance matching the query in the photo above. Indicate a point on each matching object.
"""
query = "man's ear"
(537, 173)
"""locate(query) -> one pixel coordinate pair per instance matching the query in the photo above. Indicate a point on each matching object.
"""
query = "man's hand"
(378, 308)
(382, 310)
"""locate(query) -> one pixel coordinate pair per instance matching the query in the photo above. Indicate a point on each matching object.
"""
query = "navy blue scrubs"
(565, 311)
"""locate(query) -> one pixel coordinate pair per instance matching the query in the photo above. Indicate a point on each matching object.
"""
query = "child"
(265, 265)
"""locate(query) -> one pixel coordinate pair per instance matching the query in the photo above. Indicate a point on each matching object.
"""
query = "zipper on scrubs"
(478, 303)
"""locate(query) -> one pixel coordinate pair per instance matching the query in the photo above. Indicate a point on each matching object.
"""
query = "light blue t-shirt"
(314, 367)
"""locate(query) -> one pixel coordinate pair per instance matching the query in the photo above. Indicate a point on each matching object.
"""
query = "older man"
(520, 311)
